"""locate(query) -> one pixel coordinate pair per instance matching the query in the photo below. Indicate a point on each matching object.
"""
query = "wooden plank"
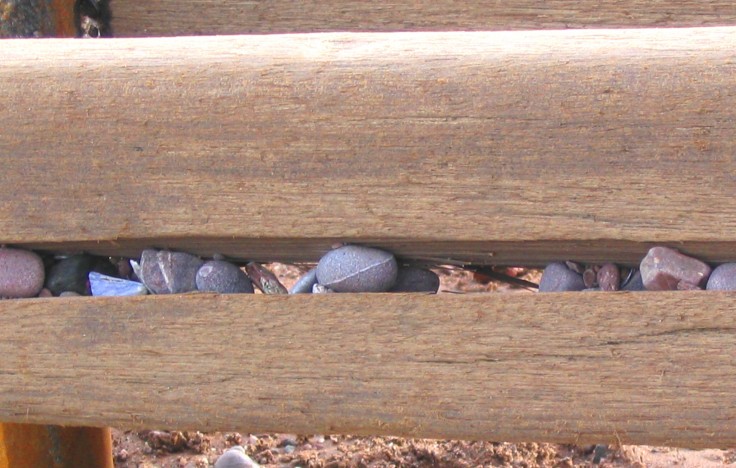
(180, 17)
(494, 147)
(634, 368)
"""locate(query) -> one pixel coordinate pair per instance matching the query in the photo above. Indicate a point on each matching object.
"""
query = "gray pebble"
(354, 268)
(223, 277)
(72, 273)
(70, 294)
(723, 278)
(21, 273)
(411, 279)
(235, 457)
(558, 277)
(305, 283)
(667, 269)
(166, 272)
(634, 283)
(103, 285)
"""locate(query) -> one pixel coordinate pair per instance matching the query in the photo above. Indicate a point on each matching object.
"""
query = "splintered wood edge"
(617, 368)
(500, 147)
(198, 17)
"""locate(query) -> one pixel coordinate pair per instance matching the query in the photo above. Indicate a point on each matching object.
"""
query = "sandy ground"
(164, 449)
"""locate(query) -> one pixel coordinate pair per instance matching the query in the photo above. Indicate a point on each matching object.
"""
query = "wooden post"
(32, 445)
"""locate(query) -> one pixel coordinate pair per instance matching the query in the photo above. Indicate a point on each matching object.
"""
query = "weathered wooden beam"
(197, 17)
(634, 368)
(498, 147)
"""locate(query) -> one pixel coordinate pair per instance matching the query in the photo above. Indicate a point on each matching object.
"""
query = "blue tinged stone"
(103, 285)
(305, 283)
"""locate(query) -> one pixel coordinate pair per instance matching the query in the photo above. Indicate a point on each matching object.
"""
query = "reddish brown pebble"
(21, 273)
(609, 278)
(663, 269)
(45, 293)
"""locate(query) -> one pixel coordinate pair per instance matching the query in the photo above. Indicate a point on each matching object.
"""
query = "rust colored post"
(37, 18)
(32, 445)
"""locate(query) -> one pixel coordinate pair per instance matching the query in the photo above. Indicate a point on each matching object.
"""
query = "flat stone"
(354, 268)
(663, 269)
(411, 279)
(235, 457)
(223, 277)
(634, 283)
(609, 277)
(723, 278)
(21, 273)
(558, 277)
(305, 283)
(104, 285)
(72, 273)
(166, 272)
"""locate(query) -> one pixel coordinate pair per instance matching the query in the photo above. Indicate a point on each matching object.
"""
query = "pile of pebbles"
(662, 269)
(349, 268)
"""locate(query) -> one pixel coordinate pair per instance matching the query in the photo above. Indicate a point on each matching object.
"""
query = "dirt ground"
(154, 448)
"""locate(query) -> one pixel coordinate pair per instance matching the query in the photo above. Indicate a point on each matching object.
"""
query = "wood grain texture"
(496, 147)
(197, 17)
(634, 368)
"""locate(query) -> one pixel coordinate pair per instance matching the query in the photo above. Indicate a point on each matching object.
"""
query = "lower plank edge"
(621, 368)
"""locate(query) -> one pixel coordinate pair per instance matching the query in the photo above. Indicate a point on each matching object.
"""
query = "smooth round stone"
(235, 457)
(305, 283)
(558, 277)
(21, 273)
(222, 277)
(166, 272)
(353, 268)
(103, 285)
(71, 273)
(411, 279)
(723, 278)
